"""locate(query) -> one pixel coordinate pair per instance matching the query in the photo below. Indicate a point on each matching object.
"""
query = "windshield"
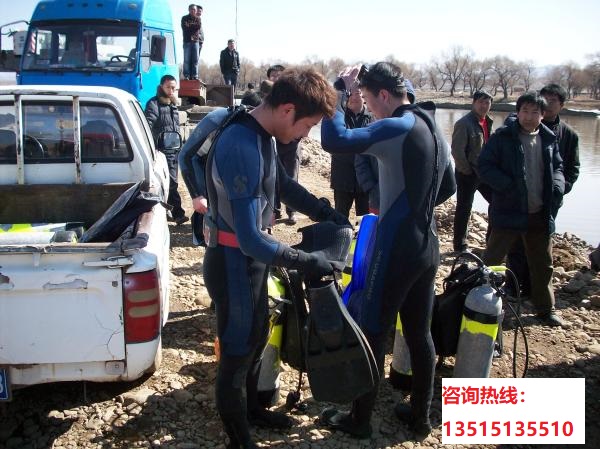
(86, 46)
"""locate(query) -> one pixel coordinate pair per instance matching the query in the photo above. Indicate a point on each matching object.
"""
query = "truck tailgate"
(55, 309)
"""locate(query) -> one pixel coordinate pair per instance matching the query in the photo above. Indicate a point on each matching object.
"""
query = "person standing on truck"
(243, 171)
(163, 116)
(230, 64)
(193, 37)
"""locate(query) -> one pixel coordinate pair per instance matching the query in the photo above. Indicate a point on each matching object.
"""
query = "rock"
(94, 424)
(138, 396)
(574, 285)
(594, 349)
(580, 363)
(56, 414)
(182, 396)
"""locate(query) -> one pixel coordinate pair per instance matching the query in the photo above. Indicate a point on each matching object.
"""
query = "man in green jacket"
(471, 132)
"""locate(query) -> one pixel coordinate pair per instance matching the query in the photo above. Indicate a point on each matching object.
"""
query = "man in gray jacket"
(471, 132)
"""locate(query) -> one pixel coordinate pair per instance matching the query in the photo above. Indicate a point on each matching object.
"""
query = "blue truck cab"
(128, 44)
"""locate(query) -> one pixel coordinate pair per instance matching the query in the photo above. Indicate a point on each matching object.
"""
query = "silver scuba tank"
(400, 370)
(270, 367)
(482, 315)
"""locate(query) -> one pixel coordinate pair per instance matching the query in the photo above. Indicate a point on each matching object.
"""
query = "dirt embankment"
(174, 408)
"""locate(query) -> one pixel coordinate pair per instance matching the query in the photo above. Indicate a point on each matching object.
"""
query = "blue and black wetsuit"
(415, 174)
(241, 175)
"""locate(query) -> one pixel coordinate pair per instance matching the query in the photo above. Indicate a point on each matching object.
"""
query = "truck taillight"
(142, 306)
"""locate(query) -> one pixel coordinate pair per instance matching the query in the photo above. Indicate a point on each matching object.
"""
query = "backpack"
(199, 157)
(448, 306)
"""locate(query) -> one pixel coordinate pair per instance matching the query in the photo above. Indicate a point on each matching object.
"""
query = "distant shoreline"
(581, 106)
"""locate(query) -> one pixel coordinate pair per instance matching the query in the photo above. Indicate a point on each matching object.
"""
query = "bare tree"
(334, 67)
(506, 73)
(476, 74)
(451, 66)
(527, 69)
(592, 73)
(433, 77)
(419, 77)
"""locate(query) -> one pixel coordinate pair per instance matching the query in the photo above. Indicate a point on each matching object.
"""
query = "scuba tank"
(347, 272)
(482, 315)
(400, 370)
(268, 377)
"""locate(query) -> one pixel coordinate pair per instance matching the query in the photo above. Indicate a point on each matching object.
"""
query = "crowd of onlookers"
(389, 158)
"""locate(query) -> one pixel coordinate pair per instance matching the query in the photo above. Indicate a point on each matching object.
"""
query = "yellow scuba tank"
(400, 370)
(347, 272)
(268, 377)
(482, 315)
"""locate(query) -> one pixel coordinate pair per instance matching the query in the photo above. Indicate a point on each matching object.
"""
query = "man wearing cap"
(230, 64)
(471, 132)
(415, 174)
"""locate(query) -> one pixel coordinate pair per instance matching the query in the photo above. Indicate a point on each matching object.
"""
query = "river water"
(580, 213)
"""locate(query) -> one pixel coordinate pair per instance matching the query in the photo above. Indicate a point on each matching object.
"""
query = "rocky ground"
(174, 408)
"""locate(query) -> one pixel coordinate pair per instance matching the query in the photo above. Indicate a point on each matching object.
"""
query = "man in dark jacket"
(193, 38)
(162, 115)
(346, 189)
(470, 133)
(230, 64)
(522, 165)
(568, 147)
(567, 138)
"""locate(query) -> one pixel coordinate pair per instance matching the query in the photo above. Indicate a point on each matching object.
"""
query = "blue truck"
(128, 44)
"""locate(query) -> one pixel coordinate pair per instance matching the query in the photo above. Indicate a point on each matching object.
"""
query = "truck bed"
(57, 203)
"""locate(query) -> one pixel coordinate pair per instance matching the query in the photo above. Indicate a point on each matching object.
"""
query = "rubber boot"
(336, 419)
(236, 427)
(271, 420)
(420, 426)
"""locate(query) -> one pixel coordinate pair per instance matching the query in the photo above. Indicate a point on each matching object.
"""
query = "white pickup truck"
(75, 308)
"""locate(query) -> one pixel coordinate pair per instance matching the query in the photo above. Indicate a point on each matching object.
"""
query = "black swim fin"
(339, 361)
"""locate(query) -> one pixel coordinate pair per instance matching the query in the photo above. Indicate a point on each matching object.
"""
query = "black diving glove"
(313, 265)
(328, 213)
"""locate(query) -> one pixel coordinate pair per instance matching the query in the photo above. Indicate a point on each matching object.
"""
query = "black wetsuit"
(415, 173)
(242, 172)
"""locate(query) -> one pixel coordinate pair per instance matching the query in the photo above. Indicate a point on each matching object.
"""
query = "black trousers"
(411, 257)
(343, 202)
(238, 287)
(174, 198)
(466, 186)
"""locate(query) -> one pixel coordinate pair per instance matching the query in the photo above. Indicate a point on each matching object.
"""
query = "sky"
(548, 33)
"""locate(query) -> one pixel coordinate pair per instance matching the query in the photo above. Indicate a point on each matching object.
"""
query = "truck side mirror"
(171, 141)
(158, 47)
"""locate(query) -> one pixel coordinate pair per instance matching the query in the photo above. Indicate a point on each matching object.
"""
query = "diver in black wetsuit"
(242, 172)
(415, 174)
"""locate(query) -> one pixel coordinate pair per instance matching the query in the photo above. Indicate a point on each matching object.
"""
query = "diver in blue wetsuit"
(242, 170)
(415, 174)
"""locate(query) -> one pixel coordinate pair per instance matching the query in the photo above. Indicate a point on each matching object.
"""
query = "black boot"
(236, 427)
(344, 422)
(421, 426)
(272, 420)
